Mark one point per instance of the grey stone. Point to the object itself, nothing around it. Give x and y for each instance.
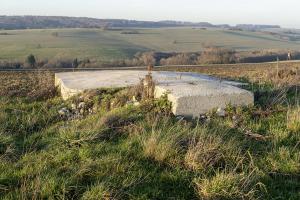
(81, 105)
(136, 103)
(64, 112)
(81, 111)
(73, 106)
(221, 112)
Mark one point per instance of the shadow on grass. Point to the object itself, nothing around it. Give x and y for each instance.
(281, 186)
(286, 96)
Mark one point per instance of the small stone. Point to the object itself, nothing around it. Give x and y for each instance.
(203, 116)
(136, 103)
(129, 103)
(95, 109)
(81, 111)
(221, 112)
(180, 117)
(64, 112)
(81, 105)
(208, 119)
(81, 98)
(73, 106)
(134, 99)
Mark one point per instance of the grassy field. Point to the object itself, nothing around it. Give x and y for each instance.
(122, 151)
(107, 45)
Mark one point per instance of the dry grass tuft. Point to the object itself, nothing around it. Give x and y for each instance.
(204, 153)
(210, 152)
(293, 119)
(163, 141)
(227, 186)
(159, 148)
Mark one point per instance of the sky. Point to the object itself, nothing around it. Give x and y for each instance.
(278, 12)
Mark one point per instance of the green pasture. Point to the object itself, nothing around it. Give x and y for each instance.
(111, 44)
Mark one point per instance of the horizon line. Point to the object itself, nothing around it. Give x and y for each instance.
(162, 20)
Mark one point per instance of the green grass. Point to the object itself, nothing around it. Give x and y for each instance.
(141, 152)
(107, 45)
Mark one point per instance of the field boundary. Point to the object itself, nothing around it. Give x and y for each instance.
(141, 67)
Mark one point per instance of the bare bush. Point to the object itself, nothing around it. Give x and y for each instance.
(10, 64)
(215, 55)
(180, 59)
(148, 59)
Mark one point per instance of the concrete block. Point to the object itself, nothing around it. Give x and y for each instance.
(191, 94)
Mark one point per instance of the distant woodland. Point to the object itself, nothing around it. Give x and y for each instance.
(41, 22)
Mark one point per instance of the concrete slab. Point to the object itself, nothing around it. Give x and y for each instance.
(191, 94)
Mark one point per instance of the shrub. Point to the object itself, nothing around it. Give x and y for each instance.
(31, 60)
(10, 64)
(180, 59)
(215, 55)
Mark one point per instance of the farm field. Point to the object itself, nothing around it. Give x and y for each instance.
(120, 151)
(111, 44)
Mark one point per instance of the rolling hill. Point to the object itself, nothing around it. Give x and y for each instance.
(113, 43)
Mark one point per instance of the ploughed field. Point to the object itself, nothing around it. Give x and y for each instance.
(101, 146)
(124, 43)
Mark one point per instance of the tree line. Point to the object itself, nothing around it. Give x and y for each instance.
(210, 55)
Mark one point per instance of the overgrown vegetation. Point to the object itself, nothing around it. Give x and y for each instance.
(35, 86)
(123, 151)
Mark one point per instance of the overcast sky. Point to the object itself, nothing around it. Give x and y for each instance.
(282, 12)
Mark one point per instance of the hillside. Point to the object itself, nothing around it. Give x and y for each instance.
(114, 44)
(42, 22)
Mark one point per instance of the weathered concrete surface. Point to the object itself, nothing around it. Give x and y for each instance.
(191, 94)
